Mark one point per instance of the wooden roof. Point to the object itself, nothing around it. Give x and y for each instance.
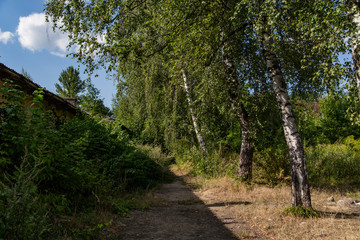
(29, 87)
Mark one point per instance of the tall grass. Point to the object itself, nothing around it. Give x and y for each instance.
(328, 164)
(217, 162)
(271, 166)
(333, 165)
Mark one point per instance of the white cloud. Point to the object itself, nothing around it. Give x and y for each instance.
(59, 54)
(35, 34)
(5, 36)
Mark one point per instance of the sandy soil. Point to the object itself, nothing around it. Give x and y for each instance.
(181, 214)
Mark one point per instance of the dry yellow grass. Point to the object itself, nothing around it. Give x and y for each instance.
(262, 207)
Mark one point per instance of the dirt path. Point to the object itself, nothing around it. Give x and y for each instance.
(183, 215)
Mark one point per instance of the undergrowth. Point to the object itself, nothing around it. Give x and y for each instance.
(329, 165)
(52, 170)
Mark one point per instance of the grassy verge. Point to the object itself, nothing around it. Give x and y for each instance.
(264, 210)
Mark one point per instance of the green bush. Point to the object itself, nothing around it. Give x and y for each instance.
(77, 162)
(12, 123)
(272, 165)
(22, 214)
(216, 163)
(333, 164)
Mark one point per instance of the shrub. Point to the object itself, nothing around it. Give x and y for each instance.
(12, 121)
(22, 214)
(333, 164)
(64, 167)
(272, 165)
(216, 163)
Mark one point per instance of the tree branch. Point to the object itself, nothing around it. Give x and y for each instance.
(242, 27)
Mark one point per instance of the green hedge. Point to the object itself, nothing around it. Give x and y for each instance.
(50, 168)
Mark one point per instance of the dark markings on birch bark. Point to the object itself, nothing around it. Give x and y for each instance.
(247, 147)
(300, 189)
(192, 113)
(356, 47)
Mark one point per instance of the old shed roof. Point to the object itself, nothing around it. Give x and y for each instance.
(29, 87)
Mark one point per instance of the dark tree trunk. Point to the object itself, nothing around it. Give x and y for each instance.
(193, 116)
(247, 147)
(300, 189)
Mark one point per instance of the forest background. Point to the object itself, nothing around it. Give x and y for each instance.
(257, 90)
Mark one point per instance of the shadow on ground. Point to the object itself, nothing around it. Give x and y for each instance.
(343, 215)
(181, 216)
(224, 204)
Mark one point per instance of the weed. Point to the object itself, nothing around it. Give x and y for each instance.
(298, 211)
(355, 195)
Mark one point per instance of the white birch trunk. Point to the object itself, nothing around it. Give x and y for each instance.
(300, 189)
(356, 48)
(193, 117)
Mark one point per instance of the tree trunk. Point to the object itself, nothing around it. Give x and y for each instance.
(193, 117)
(356, 48)
(247, 147)
(300, 189)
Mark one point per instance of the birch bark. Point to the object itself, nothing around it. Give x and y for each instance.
(356, 47)
(193, 116)
(247, 147)
(300, 189)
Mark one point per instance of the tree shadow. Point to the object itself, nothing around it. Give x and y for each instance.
(224, 204)
(342, 189)
(183, 216)
(339, 215)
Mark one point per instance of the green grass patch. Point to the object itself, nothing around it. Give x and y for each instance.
(298, 211)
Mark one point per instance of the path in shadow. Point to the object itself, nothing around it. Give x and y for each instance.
(181, 216)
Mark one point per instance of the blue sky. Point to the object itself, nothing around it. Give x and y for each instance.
(26, 41)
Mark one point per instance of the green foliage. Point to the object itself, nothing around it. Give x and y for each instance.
(325, 120)
(12, 120)
(297, 211)
(92, 103)
(62, 167)
(233, 138)
(158, 39)
(334, 164)
(122, 206)
(70, 83)
(334, 122)
(354, 195)
(272, 165)
(71, 86)
(22, 213)
(353, 143)
(308, 116)
(216, 163)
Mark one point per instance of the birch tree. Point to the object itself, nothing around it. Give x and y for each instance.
(269, 17)
(295, 39)
(354, 12)
(247, 147)
(192, 113)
